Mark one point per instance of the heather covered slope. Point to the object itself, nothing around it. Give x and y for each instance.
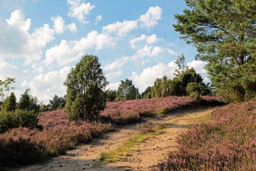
(228, 143)
(24, 146)
(124, 148)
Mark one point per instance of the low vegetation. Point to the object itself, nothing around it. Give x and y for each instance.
(226, 143)
(130, 111)
(55, 134)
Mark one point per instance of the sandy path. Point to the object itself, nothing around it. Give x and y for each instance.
(148, 153)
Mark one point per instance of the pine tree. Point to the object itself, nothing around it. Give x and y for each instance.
(24, 101)
(85, 84)
(127, 90)
(224, 33)
(9, 103)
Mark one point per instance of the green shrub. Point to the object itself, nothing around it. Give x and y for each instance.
(9, 104)
(21, 151)
(14, 119)
(195, 95)
(195, 90)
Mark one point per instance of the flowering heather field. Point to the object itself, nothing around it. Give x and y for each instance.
(56, 134)
(228, 143)
(129, 111)
(24, 146)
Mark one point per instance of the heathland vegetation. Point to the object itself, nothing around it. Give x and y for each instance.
(224, 34)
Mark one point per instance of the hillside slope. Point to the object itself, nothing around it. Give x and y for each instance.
(143, 157)
(228, 143)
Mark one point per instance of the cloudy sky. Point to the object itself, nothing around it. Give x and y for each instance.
(40, 40)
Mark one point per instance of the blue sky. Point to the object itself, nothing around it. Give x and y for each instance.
(40, 40)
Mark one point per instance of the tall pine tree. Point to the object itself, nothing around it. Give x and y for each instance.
(224, 33)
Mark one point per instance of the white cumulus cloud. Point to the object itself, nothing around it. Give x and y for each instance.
(117, 64)
(147, 51)
(150, 74)
(44, 88)
(98, 18)
(114, 74)
(113, 86)
(151, 17)
(148, 39)
(59, 25)
(121, 28)
(79, 10)
(69, 51)
(17, 20)
(10, 70)
(171, 52)
(17, 42)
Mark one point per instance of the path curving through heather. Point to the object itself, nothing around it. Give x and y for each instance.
(147, 154)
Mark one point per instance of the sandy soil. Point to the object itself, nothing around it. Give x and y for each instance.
(147, 154)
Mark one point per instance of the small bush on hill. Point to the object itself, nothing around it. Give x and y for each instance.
(18, 148)
(9, 104)
(14, 119)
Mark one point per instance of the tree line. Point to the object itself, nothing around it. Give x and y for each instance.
(185, 83)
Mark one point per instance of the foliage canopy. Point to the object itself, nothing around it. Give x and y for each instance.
(185, 82)
(5, 87)
(224, 33)
(57, 102)
(85, 84)
(127, 90)
(9, 104)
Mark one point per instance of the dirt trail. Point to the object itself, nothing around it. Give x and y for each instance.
(148, 153)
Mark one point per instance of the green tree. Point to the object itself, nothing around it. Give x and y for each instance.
(57, 102)
(224, 33)
(127, 90)
(188, 76)
(178, 86)
(195, 90)
(164, 87)
(5, 87)
(28, 102)
(85, 84)
(147, 93)
(138, 96)
(156, 88)
(24, 101)
(182, 67)
(9, 104)
(110, 95)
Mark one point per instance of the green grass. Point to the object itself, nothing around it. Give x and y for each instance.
(127, 148)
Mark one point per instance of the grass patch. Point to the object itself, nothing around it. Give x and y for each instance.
(193, 119)
(205, 117)
(128, 147)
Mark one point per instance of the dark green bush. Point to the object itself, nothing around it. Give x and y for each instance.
(19, 151)
(14, 119)
(195, 90)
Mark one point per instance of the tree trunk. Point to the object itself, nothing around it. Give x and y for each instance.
(241, 60)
